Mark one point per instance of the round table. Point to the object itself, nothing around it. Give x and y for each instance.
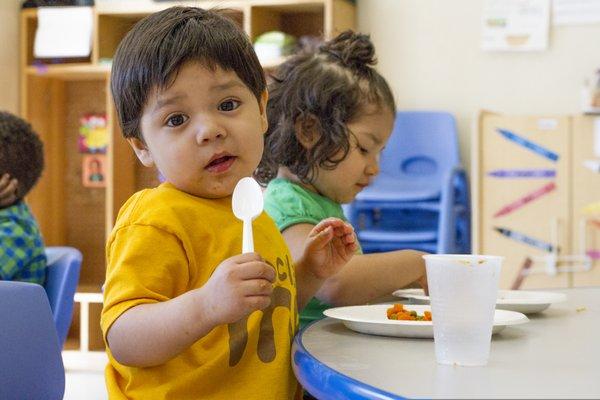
(555, 355)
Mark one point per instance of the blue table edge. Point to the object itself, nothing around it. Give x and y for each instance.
(324, 382)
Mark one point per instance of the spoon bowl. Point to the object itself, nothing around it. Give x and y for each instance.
(247, 204)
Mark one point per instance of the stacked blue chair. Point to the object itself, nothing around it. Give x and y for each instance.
(64, 265)
(420, 198)
(30, 361)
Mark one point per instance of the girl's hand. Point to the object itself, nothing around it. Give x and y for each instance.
(8, 190)
(422, 281)
(329, 246)
(240, 285)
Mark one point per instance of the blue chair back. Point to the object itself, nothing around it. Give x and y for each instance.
(421, 151)
(420, 198)
(64, 264)
(31, 366)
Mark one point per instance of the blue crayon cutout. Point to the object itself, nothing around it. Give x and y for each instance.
(522, 173)
(529, 145)
(519, 237)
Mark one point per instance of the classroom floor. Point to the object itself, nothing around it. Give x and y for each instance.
(84, 375)
(87, 385)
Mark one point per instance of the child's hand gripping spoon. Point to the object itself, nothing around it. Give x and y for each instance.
(247, 204)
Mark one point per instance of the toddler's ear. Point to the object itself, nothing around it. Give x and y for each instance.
(141, 151)
(308, 130)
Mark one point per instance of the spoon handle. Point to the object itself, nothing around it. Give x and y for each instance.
(247, 239)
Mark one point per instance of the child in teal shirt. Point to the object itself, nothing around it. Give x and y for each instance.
(22, 256)
(330, 115)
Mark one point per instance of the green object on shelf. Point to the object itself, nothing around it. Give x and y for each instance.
(278, 38)
(274, 44)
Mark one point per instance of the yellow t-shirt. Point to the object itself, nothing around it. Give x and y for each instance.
(167, 242)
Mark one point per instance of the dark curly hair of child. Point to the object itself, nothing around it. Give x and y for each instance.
(21, 152)
(331, 85)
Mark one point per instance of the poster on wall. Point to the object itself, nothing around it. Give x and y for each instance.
(575, 12)
(93, 133)
(515, 25)
(94, 170)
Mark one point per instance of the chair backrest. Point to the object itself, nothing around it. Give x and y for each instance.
(423, 147)
(30, 360)
(64, 264)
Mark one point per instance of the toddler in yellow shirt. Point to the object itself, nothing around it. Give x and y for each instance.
(186, 316)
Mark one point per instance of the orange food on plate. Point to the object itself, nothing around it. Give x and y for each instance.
(398, 312)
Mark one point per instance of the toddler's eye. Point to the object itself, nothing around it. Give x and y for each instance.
(229, 105)
(176, 120)
(363, 150)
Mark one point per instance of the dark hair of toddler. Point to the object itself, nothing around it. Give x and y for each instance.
(153, 51)
(21, 152)
(331, 86)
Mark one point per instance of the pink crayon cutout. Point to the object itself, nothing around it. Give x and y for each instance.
(594, 254)
(515, 205)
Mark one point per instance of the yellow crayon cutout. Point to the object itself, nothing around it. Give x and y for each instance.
(593, 208)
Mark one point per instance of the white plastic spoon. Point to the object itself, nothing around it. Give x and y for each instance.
(247, 204)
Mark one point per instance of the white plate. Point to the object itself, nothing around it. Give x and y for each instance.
(372, 319)
(527, 302)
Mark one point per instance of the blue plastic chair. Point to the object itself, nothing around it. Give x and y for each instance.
(31, 366)
(420, 198)
(64, 265)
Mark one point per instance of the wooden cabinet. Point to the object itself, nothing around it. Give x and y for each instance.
(55, 96)
(529, 189)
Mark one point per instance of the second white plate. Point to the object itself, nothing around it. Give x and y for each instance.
(372, 319)
(526, 302)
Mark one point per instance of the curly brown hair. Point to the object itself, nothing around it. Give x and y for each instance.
(332, 84)
(21, 152)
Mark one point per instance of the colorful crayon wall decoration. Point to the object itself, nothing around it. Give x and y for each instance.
(515, 205)
(522, 173)
(528, 144)
(528, 240)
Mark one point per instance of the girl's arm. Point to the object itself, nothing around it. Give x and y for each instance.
(366, 277)
(307, 285)
(326, 248)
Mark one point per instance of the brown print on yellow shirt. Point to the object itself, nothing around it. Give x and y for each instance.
(238, 331)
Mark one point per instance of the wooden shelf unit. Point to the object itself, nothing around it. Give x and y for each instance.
(54, 95)
(70, 72)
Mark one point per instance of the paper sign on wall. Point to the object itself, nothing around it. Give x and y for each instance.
(575, 12)
(515, 25)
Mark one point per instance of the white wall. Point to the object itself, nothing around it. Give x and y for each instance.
(429, 51)
(9, 55)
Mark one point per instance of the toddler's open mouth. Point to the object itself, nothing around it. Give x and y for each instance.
(220, 164)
